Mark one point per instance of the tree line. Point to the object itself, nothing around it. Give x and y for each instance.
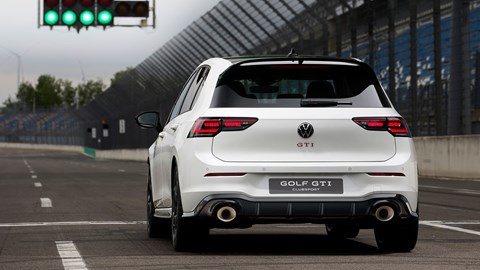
(49, 92)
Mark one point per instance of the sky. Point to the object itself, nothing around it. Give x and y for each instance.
(91, 54)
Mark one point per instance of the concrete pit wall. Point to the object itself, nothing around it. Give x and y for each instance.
(449, 156)
(122, 154)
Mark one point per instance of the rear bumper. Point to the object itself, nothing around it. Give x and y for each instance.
(358, 184)
(254, 211)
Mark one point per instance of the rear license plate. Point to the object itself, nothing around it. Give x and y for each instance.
(305, 186)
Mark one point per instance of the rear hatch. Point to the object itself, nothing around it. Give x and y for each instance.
(304, 110)
(277, 136)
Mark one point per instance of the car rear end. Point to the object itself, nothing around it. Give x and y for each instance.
(300, 140)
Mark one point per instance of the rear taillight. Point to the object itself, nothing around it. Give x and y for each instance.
(209, 127)
(206, 128)
(395, 125)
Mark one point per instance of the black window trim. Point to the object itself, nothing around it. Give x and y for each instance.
(200, 87)
(195, 86)
(184, 88)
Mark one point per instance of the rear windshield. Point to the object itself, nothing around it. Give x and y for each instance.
(294, 85)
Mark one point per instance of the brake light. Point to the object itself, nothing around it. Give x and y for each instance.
(397, 126)
(210, 127)
(205, 128)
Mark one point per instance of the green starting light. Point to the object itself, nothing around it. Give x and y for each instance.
(69, 17)
(87, 17)
(51, 17)
(105, 17)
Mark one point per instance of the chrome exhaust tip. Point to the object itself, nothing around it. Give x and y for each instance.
(226, 214)
(384, 213)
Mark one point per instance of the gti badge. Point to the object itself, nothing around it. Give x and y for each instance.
(305, 130)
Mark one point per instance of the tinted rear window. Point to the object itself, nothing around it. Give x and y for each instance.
(287, 85)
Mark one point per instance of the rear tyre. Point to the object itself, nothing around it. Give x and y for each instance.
(186, 233)
(156, 227)
(337, 230)
(397, 237)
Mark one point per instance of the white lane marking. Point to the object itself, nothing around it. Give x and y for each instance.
(37, 184)
(46, 202)
(441, 224)
(438, 224)
(467, 222)
(453, 190)
(28, 166)
(34, 177)
(70, 223)
(70, 256)
(120, 170)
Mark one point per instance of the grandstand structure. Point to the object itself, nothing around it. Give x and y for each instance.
(59, 127)
(425, 52)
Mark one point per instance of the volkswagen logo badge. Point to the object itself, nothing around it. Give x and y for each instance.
(305, 130)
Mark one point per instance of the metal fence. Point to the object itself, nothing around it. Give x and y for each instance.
(425, 52)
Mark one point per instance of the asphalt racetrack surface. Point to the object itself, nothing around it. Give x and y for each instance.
(67, 211)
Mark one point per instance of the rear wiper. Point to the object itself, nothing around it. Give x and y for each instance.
(321, 103)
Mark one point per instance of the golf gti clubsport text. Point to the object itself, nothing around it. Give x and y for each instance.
(282, 140)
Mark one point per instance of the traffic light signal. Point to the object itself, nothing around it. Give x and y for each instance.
(105, 12)
(51, 12)
(69, 16)
(132, 8)
(78, 13)
(85, 13)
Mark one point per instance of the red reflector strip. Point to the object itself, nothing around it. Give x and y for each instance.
(387, 174)
(224, 174)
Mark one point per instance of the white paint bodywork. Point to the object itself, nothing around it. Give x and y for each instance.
(266, 150)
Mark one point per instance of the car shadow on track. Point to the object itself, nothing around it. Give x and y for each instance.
(281, 244)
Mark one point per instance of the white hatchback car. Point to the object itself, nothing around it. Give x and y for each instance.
(282, 140)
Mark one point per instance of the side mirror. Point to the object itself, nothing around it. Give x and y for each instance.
(149, 120)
